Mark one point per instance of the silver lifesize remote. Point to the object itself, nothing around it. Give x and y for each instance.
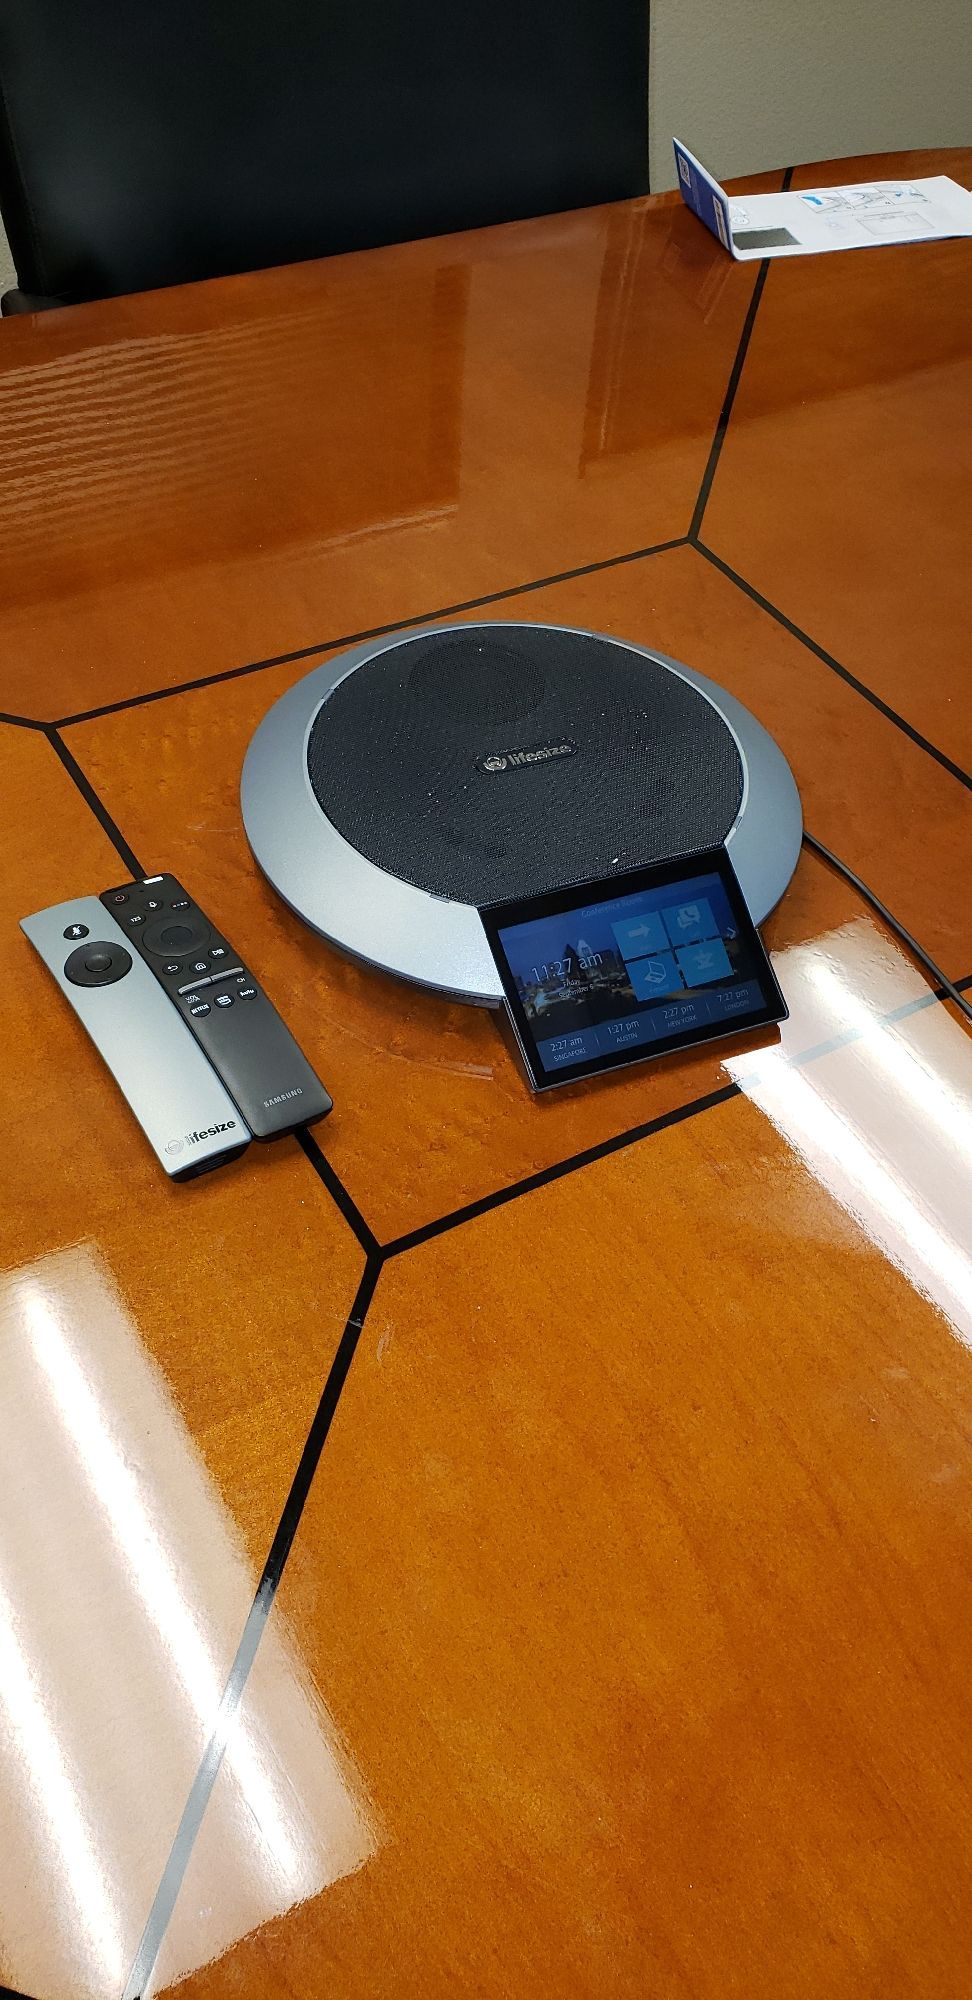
(179, 1101)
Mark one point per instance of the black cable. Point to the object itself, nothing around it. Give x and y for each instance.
(911, 944)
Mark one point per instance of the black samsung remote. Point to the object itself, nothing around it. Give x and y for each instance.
(248, 1045)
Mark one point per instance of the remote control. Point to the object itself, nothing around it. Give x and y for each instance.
(183, 1109)
(238, 1029)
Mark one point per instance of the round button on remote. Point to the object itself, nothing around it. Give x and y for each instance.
(224, 999)
(75, 931)
(97, 964)
(176, 939)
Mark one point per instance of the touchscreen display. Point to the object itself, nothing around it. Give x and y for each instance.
(612, 972)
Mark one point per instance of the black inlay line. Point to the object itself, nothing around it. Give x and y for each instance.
(90, 796)
(860, 687)
(735, 377)
(178, 1860)
(205, 1779)
(339, 1193)
(725, 413)
(18, 722)
(559, 1169)
(939, 979)
(372, 632)
(962, 984)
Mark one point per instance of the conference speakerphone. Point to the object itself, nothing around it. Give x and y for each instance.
(402, 787)
(612, 972)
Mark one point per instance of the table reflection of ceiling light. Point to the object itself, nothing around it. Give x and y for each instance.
(931, 1093)
(166, 1595)
(869, 1189)
(123, 1593)
(57, 1808)
(885, 1128)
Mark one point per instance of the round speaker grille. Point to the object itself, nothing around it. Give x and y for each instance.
(483, 768)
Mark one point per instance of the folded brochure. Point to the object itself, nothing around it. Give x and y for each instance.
(831, 218)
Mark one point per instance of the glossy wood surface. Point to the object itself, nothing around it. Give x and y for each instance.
(573, 1496)
(828, 480)
(649, 1634)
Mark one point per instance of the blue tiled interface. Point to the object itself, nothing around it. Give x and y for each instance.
(631, 972)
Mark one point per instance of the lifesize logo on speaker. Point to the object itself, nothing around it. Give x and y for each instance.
(513, 760)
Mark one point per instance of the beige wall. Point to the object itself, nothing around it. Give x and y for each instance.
(7, 273)
(750, 84)
(763, 83)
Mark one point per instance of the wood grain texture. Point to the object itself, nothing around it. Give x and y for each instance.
(651, 1634)
(162, 1351)
(236, 469)
(623, 1648)
(455, 1121)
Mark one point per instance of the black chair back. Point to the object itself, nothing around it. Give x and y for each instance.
(145, 142)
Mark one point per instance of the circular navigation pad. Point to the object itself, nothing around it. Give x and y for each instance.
(97, 964)
(175, 938)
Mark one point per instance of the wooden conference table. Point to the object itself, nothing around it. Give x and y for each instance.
(595, 1474)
